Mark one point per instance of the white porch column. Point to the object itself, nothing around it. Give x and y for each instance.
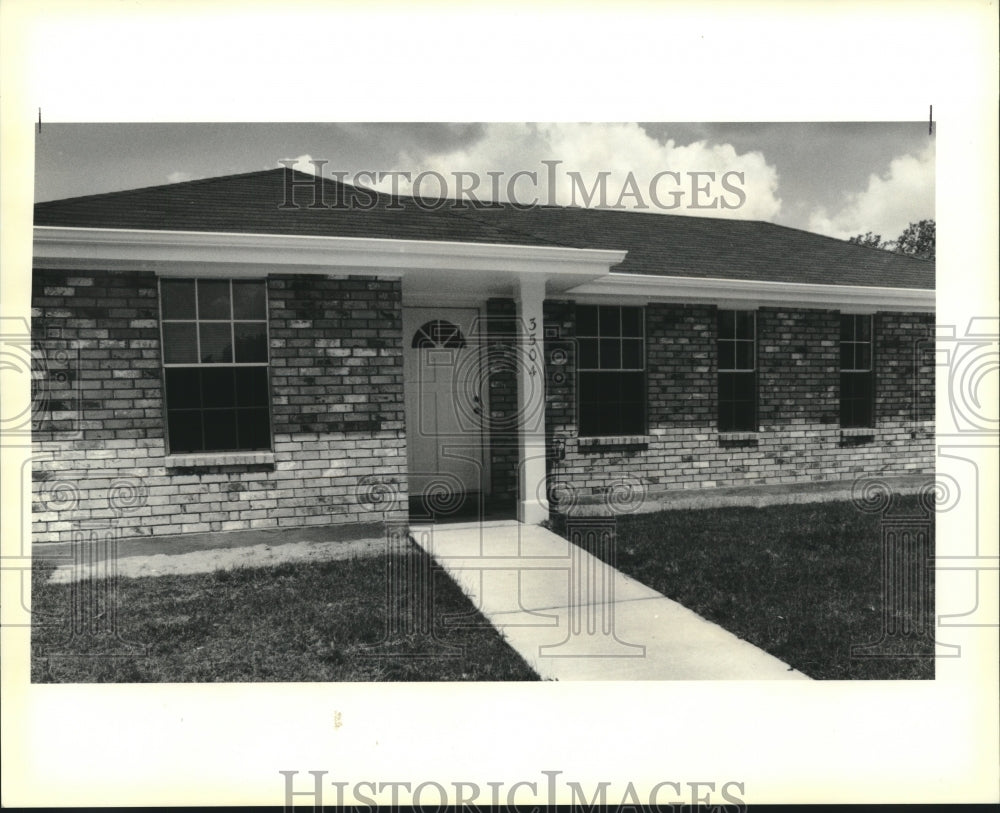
(532, 506)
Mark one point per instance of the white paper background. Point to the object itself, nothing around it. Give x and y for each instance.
(224, 744)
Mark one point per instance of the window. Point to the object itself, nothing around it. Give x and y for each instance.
(611, 370)
(857, 390)
(439, 333)
(214, 335)
(737, 346)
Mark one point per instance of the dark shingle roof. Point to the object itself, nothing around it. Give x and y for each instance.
(657, 244)
(251, 202)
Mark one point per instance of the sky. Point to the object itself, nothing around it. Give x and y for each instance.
(838, 179)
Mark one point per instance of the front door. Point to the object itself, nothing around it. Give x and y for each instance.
(444, 404)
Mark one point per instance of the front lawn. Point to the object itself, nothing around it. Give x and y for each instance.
(802, 582)
(315, 621)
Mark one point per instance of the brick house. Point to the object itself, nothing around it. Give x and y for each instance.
(272, 349)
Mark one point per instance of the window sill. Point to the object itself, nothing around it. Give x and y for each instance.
(730, 436)
(189, 461)
(858, 432)
(615, 441)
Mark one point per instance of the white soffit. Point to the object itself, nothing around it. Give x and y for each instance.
(748, 293)
(427, 265)
(175, 252)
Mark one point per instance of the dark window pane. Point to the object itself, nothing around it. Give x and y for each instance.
(744, 356)
(846, 328)
(744, 417)
(612, 403)
(183, 388)
(737, 402)
(846, 413)
(220, 429)
(184, 429)
(632, 353)
(588, 353)
(847, 356)
(632, 387)
(727, 387)
(254, 432)
(863, 328)
(213, 299)
(249, 300)
(862, 356)
(251, 341)
(847, 386)
(251, 386)
(856, 400)
(177, 298)
(610, 320)
(595, 420)
(726, 411)
(216, 408)
(589, 418)
(216, 342)
(744, 387)
(633, 418)
(218, 387)
(590, 387)
(610, 354)
(179, 343)
(865, 388)
(586, 320)
(854, 386)
(863, 415)
(744, 325)
(632, 322)
(727, 325)
(727, 355)
(607, 417)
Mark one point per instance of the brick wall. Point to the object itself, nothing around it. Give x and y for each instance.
(501, 338)
(798, 384)
(99, 458)
(904, 367)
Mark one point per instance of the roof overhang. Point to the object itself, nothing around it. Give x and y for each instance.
(752, 293)
(438, 268)
(422, 264)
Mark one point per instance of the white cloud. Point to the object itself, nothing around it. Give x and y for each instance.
(899, 196)
(624, 155)
(180, 176)
(304, 163)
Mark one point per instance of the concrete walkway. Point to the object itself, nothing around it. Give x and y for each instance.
(571, 617)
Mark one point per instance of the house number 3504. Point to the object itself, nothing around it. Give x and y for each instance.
(532, 345)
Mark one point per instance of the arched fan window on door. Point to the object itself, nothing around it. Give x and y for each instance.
(439, 333)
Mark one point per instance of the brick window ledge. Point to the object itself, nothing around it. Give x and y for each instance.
(615, 441)
(857, 432)
(188, 461)
(737, 436)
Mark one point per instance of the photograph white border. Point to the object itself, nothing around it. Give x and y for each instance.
(829, 742)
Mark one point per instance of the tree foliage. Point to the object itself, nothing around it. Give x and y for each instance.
(917, 240)
(868, 239)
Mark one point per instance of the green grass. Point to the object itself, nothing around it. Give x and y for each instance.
(802, 582)
(317, 621)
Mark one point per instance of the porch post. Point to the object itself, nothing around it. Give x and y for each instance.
(532, 505)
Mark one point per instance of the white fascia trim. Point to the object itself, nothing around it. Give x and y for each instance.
(748, 293)
(74, 248)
